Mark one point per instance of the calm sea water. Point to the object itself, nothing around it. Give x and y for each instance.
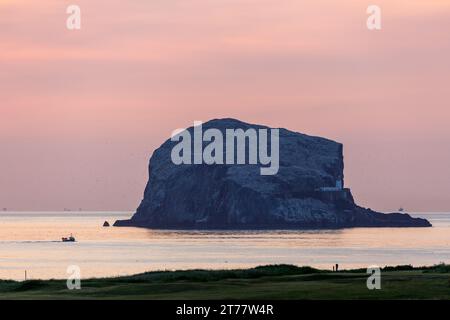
(31, 241)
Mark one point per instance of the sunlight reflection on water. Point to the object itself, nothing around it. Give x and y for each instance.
(31, 241)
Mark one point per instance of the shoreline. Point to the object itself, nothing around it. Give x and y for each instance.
(263, 282)
(355, 269)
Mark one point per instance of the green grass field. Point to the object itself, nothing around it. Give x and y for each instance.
(267, 282)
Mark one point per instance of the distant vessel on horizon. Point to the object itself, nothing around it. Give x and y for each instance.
(401, 209)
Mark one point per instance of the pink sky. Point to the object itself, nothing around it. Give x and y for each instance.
(82, 111)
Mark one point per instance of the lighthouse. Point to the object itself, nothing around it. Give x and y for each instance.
(339, 184)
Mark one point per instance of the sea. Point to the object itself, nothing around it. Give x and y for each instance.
(31, 246)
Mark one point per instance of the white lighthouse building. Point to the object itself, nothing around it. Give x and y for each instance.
(338, 186)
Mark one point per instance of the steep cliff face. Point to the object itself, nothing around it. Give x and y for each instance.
(302, 194)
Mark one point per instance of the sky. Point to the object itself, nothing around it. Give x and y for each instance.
(81, 111)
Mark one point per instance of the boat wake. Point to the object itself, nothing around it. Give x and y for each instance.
(31, 241)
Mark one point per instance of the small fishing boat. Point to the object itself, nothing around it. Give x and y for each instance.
(68, 239)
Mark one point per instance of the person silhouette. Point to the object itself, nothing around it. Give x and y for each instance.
(337, 267)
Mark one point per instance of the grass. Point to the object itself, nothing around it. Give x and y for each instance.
(265, 282)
